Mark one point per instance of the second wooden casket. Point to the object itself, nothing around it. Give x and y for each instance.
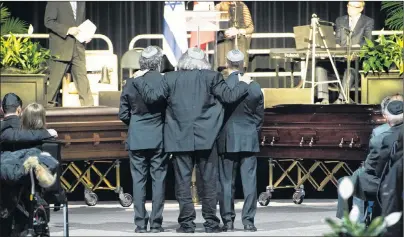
(321, 132)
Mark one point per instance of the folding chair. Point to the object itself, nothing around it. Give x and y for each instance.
(130, 60)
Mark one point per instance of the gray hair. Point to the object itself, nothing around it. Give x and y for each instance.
(387, 100)
(186, 62)
(384, 103)
(152, 63)
(238, 65)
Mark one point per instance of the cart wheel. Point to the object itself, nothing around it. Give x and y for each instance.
(264, 199)
(298, 197)
(91, 199)
(126, 200)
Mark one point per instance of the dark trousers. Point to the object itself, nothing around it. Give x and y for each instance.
(79, 73)
(143, 161)
(207, 161)
(228, 165)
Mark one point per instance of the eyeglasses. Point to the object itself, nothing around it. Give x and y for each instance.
(356, 7)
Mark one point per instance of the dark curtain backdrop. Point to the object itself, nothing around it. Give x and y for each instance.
(121, 21)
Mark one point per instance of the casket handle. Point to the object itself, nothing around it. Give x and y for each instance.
(301, 141)
(341, 143)
(352, 142)
(273, 141)
(311, 142)
(263, 141)
(67, 140)
(96, 138)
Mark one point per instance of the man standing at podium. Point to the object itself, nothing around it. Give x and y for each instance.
(63, 19)
(361, 27)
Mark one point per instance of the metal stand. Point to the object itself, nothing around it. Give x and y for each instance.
(348, 74)
(312, 43)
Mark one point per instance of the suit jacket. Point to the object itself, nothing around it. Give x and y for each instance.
(363, 29)
(242, 121)
(11, 133)
(378, 156)
(194, 115)
(145, 121)
(58, 19)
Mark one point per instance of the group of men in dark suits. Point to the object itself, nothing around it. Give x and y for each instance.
(189, 113)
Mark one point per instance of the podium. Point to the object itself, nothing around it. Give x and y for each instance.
(206, 21)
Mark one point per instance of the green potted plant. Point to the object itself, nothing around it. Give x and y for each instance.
(382, 59)
(349, 225)
(23, 63)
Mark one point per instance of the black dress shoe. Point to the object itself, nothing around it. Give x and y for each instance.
(141, 229)
(250, 228)
(228, 227)
(184, 230)
(156, 229)
(215, 229)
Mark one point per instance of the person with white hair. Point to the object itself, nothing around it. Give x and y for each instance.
(367, 178)
(193, 118)
(145, 143)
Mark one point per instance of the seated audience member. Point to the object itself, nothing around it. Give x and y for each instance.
(367, 175)
(15, 165)
(390, 193)
(11, 127)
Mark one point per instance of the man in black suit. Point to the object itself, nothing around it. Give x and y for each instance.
(63, 19)
(237, 144)
(361, 27)
(145, 142)
(193, 119)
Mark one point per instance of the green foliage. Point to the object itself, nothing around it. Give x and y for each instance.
(10, 24)
(21, 55)
(395, 14)
(349, 228)
(382, 54)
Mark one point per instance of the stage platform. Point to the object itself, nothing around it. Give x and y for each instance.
(279, 218)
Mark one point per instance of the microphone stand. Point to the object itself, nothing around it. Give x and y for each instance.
(348, 79)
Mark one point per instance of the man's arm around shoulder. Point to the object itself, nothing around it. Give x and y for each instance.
(124, 106)
(224, 93)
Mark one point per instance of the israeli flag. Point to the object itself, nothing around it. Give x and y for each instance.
(175, 33)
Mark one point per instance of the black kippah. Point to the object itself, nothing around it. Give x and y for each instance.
(395, 107)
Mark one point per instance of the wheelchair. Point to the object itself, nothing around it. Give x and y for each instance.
(32, 203)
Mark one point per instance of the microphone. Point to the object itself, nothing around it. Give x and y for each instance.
(327, 22)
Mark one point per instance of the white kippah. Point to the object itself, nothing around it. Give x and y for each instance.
(149, 52)
(235, 55)
(196, 53)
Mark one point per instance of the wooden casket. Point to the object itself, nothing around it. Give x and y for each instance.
(318, 141)
(329, 132)
(89, 133)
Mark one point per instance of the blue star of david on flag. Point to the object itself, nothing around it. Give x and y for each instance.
(173, 4)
